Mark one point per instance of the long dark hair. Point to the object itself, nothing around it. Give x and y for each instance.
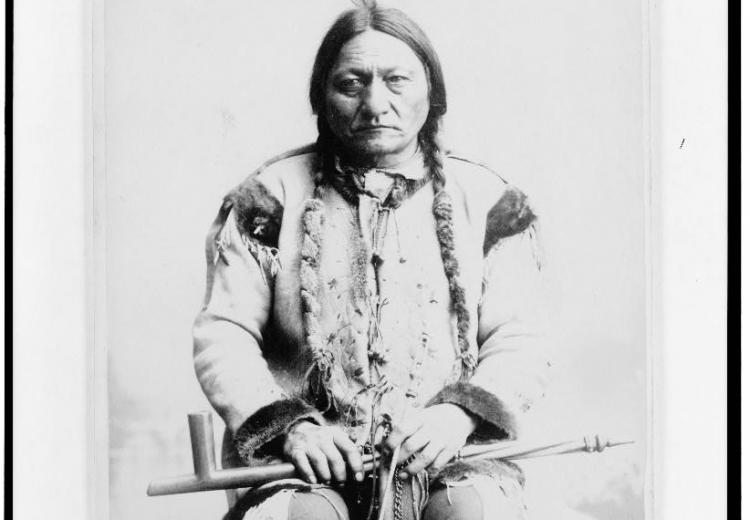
(394, 23)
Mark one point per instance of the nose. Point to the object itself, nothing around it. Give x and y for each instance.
(375, 101)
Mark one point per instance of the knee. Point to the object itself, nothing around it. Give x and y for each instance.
(477, 499)
(454, 503)
(321, 504)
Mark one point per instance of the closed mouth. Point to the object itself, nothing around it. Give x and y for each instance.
(373, 128)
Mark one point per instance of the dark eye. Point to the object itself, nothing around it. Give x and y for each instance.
(349, 85)
(397, 79)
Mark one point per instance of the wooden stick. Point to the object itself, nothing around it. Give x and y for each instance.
(208, 478)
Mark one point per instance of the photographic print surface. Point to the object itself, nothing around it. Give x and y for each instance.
(550, 95)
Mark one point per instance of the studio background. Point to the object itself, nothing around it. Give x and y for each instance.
(550, 94)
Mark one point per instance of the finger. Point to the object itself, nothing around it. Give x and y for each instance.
(423, 459)
(350, 453)
(393, 440)
(443, 458)
(413, 445)
(320, 464)
(401, 432)
(335, 461)
(300, 461)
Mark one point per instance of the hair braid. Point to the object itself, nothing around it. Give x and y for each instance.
(313, 220)
(442, 209)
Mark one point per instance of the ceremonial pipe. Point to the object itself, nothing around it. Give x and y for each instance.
(207, 478)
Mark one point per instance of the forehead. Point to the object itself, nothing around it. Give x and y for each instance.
(376, 49)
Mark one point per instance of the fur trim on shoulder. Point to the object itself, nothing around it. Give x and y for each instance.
(509, 216)
(495, 421)
(258, 212)
(268, 423)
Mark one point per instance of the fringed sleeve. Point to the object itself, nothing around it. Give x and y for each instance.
(228, 339)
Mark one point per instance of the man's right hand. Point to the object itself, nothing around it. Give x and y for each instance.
(322, 453)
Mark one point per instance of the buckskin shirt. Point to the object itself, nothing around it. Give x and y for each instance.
(356, 287)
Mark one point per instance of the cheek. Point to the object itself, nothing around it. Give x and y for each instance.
(341, 107)
(419, 107)
(340, 112)
(417, 102)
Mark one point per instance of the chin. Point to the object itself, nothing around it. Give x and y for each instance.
(376, 147)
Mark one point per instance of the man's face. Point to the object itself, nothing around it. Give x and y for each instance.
(377, 98)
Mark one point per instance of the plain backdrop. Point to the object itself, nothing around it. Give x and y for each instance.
(551, 94)
(57, 470)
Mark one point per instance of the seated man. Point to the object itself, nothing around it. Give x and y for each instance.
(373, 293)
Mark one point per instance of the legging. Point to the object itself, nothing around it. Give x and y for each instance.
(476, 498)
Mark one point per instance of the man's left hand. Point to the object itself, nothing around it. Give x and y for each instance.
(433, 435)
